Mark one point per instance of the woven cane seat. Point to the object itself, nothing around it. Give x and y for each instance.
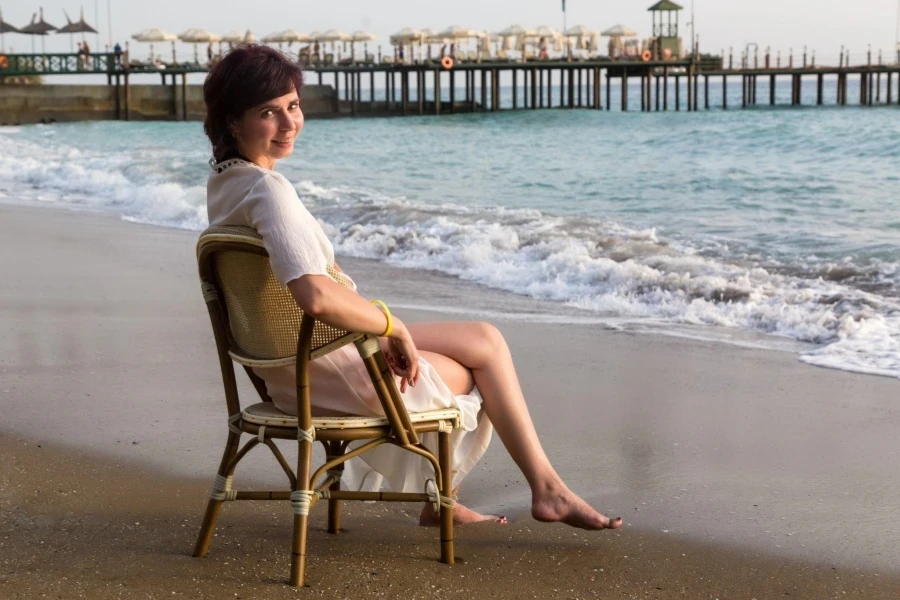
(265, 413)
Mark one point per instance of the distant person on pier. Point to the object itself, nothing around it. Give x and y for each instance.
(87, 55)
(542, 45)
(209, 52)
(117, 50)
(316, 51)
(453, 50)
(400, 51)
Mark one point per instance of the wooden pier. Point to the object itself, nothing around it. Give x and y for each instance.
(433, 88)
(664, 85)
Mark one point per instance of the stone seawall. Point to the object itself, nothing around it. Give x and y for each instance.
(22, 104)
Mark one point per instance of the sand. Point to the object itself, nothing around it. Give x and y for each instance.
(740, 472)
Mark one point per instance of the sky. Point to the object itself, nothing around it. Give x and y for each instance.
(823, 25)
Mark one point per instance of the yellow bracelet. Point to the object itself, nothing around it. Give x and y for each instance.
(387, 313)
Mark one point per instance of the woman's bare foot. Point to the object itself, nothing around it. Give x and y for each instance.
(560, 504)
(461, 516)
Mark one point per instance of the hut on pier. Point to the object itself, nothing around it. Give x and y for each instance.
(666, 42)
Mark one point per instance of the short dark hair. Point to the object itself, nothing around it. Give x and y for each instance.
(248, 75)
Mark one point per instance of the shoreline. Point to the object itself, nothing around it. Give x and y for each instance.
(745, 453)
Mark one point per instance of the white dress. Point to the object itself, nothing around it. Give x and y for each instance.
(243, 193)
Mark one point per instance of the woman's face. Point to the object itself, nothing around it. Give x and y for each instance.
(266, 133)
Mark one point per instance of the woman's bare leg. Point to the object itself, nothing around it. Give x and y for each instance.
(480, 348)
(457, 377)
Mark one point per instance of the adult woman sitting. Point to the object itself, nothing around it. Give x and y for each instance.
(253, 119)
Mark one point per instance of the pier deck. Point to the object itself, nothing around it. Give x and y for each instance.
(384, 89)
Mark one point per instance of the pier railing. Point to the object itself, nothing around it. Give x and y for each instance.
(12, 65)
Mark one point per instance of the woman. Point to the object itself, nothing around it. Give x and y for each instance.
(253, 119)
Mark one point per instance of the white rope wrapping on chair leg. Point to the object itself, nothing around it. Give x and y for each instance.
(301, 501)
(222, 489)
(306, 435)
(233, 421)
(445, 427)
(436, 499)
(262, 434)
(209, 292)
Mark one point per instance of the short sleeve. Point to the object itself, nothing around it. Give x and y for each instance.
(291, 236)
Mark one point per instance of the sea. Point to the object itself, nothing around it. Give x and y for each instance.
(776, 225)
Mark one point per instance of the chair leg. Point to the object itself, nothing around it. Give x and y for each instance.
(214, 506)
(298, 550)
(301, 521)
(334, 450)
(447, 555)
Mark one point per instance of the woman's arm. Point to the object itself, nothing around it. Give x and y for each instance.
(335, 305)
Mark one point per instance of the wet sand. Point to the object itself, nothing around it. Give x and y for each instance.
(740, 472)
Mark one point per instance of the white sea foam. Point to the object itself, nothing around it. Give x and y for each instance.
(601, 266)
(615, 271)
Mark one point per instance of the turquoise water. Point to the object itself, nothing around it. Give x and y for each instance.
(784, 222)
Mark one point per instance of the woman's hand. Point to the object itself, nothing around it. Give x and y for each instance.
(402, 355)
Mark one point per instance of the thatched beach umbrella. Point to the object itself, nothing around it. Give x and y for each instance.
(199, 36)
(154, 36)
(80, 26)
(615, 35)
(37, 27)
(409, 36)
(458, 35)
(5, 28)
(331, 35)
(516, 36)
(582, 35)
(288, 36)
(361, 36)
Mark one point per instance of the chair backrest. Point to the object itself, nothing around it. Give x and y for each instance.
(257, 323)
(262, 318)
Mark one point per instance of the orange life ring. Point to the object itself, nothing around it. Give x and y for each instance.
(4, 62)
(646, 55)
(447, 62)
(667, 54)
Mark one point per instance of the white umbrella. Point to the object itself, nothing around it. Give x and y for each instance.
(407, 35)
(288, 35)
(331, 35)
(618, 31)
(198, 36)
(456, 32)
(154, 35)
(580, 31)
(516, 30)
(361, 36)
(615, 35)
(233, 37)
(249, 38)
(547, 32)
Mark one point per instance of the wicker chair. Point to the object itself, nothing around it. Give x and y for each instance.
(257, 323)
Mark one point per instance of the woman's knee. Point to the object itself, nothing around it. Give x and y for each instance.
(489, 341)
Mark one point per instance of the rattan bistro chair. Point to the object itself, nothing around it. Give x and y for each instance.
(257, 323)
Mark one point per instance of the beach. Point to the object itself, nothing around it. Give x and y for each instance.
(740, 472)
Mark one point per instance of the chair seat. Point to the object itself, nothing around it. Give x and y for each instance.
(265, 413)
